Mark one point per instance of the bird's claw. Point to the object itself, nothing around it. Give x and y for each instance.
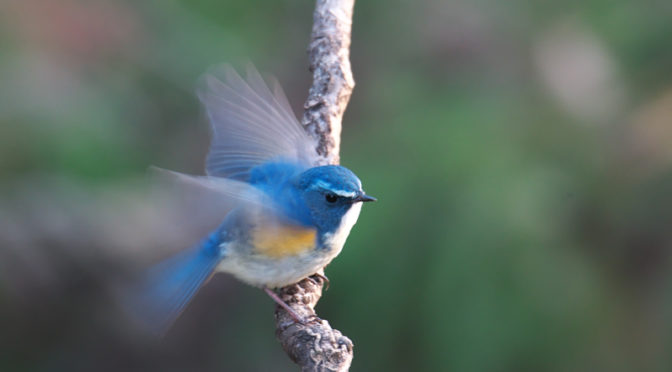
(322, 277)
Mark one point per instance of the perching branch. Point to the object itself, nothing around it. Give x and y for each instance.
(329, 54)
(316, 346)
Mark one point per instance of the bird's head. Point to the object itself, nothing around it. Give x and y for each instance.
(334, 195)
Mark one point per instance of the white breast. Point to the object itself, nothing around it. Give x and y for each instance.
(272, 272)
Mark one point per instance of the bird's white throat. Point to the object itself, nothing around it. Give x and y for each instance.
(338, 237)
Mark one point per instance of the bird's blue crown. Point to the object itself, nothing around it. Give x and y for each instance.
(333, 179)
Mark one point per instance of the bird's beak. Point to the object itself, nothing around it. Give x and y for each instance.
(364, 198)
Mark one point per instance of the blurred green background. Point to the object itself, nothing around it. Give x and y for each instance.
(521, 153)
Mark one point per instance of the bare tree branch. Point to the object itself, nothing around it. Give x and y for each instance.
(329, 53)
(316, 346)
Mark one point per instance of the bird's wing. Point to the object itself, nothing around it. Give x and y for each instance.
(222, 193)
(251, 124)
(197, 206)
(189, 207)
(206, 200)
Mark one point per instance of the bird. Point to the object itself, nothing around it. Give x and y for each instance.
(286, 216)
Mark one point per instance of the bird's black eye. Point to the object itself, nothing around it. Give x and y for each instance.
(331, 198)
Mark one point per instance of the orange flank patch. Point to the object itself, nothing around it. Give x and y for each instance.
(281, 241)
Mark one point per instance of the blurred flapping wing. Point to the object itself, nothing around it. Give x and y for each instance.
(191, 207)
(250, 125)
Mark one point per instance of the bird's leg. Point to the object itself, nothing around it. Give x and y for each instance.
(321, 276)
(297, 318)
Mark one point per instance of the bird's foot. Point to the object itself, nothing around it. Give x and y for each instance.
(324, 278)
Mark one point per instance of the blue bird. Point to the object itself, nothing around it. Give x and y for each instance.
(287, 218)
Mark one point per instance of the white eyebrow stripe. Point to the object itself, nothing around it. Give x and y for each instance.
(345, 194)
(329, 187)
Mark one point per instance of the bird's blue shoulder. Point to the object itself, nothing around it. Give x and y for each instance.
(274, 173)
(278, 180)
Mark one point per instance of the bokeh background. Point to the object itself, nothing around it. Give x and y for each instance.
(521, 152)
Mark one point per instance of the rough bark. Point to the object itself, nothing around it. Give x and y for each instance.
(315, 346)
(329, 53)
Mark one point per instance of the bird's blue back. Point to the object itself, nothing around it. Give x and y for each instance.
(277, 179)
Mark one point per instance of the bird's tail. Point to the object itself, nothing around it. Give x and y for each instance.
(167, 288)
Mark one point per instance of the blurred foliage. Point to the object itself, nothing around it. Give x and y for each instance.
(520, 151)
